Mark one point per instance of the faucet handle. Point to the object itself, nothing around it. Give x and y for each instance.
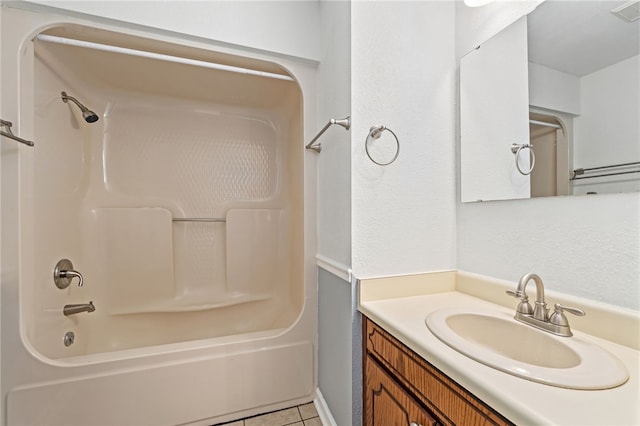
(524, 307)
(558, 317)
(512, 293)
(64, 272)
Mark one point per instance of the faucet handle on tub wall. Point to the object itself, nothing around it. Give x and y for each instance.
(63, 273)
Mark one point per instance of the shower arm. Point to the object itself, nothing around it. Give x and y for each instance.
(66, 98)
(344, 122)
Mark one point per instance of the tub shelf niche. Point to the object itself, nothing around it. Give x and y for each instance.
(143, 268)
(191, 303)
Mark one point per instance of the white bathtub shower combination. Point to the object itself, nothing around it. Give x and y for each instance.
(182, 207)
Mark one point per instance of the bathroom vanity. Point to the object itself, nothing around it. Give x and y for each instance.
(411, 377)
(390, 368)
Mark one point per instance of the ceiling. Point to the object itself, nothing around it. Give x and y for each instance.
(579, 37)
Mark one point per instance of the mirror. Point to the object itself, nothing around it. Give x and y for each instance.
(551, 104)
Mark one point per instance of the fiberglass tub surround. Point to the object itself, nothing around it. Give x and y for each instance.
(181, 206)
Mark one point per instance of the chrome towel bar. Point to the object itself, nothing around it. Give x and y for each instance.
(603, 170)
(344, 122)
(9, 134)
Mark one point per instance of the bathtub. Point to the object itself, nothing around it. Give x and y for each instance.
(185, 210)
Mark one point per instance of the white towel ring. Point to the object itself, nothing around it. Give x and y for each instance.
(374, 133)
(516, 148)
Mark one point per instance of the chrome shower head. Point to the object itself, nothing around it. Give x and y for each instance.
(88, 115)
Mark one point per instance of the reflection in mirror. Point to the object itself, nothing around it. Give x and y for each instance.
(583, 102)
(548, 135)
(493, 116)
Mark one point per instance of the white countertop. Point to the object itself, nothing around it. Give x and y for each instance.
(521, 401)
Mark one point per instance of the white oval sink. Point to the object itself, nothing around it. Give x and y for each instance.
(496, 339)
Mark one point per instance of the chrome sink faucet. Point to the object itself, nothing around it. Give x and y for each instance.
(538, 316)
(540, 312)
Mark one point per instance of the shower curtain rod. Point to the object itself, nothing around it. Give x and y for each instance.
(545, 124)
(158, 56)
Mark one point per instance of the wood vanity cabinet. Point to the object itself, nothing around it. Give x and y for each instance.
(402, 389)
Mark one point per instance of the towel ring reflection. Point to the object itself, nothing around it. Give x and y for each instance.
(516, 148)
(374, 133)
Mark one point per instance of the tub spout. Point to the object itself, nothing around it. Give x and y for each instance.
(76, 309)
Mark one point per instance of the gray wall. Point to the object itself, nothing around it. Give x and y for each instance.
(339, 349)
(336, 342)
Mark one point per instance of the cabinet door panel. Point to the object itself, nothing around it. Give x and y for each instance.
(440, 396)
(388, 404)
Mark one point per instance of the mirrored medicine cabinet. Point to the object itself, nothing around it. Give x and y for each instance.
(551, 105)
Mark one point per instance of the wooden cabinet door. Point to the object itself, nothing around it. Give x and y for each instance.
(388, 404)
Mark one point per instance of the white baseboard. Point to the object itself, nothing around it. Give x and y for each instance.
(323, 410)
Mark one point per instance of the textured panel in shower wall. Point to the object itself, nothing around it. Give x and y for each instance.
(199, 163)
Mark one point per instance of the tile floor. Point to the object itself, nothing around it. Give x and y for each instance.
(301, 415)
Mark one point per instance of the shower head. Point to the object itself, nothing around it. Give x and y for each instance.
(88, 115)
